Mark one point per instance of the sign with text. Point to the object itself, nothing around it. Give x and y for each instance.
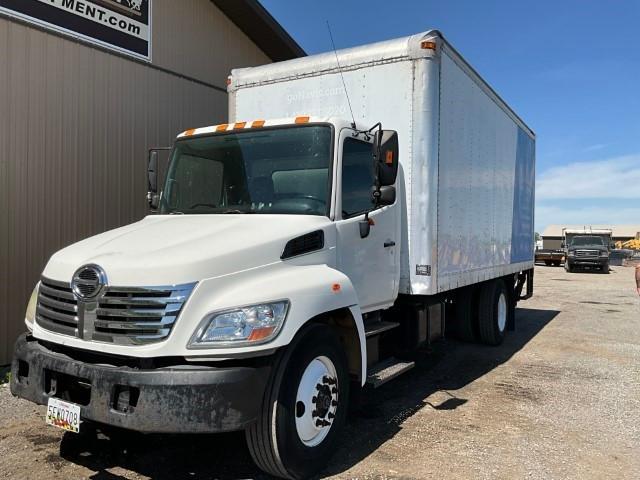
(122, 25)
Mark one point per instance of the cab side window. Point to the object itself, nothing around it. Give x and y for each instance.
(357, 177)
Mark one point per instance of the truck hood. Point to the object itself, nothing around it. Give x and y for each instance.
(177, 249)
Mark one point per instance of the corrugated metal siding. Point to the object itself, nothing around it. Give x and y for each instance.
(75, 126)
(202, 42)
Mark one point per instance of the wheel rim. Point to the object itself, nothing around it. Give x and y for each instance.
(316, 401)
(502, 312)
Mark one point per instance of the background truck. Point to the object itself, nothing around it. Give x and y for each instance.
(586, 249)
(299, 253)
(549, 256)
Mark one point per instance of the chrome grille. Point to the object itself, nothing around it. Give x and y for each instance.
(586, 253)
(138, 315)
(120, 315)
(57, 308)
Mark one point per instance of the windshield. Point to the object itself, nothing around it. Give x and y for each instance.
(283, 170)
(588, 240)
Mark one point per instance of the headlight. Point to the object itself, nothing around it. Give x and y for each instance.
(249, 325)
(572, 254)
(604, 254)
(30, 314)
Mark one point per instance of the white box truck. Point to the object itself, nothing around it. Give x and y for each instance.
(357, 205)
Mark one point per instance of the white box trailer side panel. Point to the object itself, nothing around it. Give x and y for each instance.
(486, 185)
(467, 161)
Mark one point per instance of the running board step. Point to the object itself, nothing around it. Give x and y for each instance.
(376, 328)
(388, 370)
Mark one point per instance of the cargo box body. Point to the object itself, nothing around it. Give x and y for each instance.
(467, 160)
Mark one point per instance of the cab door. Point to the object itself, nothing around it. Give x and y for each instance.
(372, 263)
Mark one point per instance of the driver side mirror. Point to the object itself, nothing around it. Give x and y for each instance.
(153, 173)
(385, 156)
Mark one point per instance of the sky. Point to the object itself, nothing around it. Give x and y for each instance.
(569, 68)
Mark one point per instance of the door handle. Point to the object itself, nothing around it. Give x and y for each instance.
(389, 243)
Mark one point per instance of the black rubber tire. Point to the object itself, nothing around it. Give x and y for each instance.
(547, 263)
(556, 263)
(465, 320)
(567, 267)
(605, 268)
(488, 328)
(273, 440)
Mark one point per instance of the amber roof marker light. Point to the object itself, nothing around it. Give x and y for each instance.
(428, 45)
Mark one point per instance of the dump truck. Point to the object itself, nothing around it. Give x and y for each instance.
(356, 206)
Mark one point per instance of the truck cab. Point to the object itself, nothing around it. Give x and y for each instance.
(266, 234)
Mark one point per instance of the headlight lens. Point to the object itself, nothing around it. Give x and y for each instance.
(249, 325)
(30, 314)
(572, 254)
(604, 254)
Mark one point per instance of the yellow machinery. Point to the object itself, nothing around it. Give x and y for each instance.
(630, 244)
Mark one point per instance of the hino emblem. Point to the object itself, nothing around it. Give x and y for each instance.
(88, 281)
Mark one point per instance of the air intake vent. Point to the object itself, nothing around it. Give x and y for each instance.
(304, 244)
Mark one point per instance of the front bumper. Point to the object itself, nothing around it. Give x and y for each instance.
(176, 399)
(588, 262)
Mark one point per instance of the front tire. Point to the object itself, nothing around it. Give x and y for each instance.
(304, 407)
(493, 312)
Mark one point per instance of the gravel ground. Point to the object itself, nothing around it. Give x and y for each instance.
(560, 399)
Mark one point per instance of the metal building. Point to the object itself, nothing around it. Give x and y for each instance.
(86, 88)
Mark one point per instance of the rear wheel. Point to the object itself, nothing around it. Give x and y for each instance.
(493, 312)
(304, 407)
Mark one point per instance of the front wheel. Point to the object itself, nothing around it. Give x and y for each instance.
(304, 407)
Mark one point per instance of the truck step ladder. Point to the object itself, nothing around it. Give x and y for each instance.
(388, 370)
(375, 328)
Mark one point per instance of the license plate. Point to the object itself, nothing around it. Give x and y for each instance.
(63, 415)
